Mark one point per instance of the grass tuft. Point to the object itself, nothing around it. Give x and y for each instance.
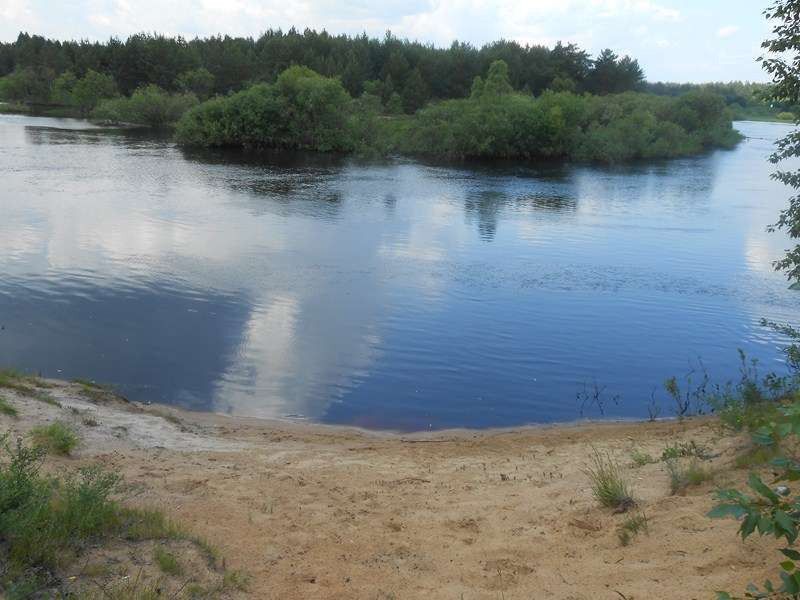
(609, 486)
(167, 561)
(56, 438)
(6, 408)
(682, 477)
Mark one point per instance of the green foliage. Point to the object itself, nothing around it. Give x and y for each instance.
(26, 85)
(149, 106)
(497, 82)
(771, 511)
(612, 75)
(302, 110)
(93, 87)
(43, 521)
(496, 122)
(56, 438)
(399, 65)
(199, 82)
(63, 88)
(609, 486)
(784, 44)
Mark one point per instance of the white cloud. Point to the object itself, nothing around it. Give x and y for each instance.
(727, 31)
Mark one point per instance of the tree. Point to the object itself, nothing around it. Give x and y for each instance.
(63, 87)
(395, 105)
(26, 85)
(497, 82)
(415, 92)
(91, 88)
(199, 82)
(781, 61)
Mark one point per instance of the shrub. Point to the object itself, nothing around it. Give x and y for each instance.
(304, 110)
(56, 438)
(609, 486)
(43, 520)
(641, 458)
(301, 110)
(149, 105)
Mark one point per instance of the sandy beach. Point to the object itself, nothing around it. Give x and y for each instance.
(311, 511)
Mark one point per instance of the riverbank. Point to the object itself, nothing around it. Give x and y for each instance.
(324, 512)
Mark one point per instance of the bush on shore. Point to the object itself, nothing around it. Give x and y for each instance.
(149, 106)
(304, 110)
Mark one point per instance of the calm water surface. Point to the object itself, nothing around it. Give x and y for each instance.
(395, 295)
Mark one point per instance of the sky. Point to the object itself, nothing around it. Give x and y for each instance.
(674, 40)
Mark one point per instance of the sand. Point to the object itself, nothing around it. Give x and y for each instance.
(313, 511)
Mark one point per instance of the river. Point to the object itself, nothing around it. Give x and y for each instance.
(388, 295)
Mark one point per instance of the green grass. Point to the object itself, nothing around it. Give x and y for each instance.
(56, 438)
(149, 524)
(14, 380)
(631, 527)
(127, 590)
(609, 486)
(27, 385)
(6, 408)
(96, 392)
(682, 477)
(46, 522)
(167, 561)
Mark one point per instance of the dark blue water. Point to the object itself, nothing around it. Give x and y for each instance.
(395, 295)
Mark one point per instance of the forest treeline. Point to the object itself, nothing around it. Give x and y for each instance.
(405, 73)
(315, 91)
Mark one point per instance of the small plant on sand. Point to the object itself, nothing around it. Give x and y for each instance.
(631, 527)
(56, 438)
(6, 408)
(641, 458)
(684, 449)
(609, 486)
(235, 580)
(681, 477)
